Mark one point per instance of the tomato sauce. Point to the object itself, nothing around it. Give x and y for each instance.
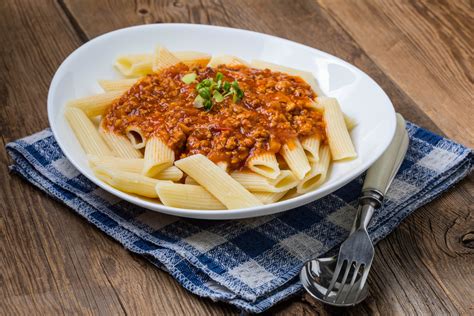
(276, 108)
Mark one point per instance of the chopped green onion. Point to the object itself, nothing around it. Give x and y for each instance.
(217, 90)
(217, 96)
(208, 105)
(226, 87)
(189, 78)
(198, 102)
(238, 93)
(206, 83)
(205, 93)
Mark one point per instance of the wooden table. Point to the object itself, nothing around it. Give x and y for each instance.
(54, 262)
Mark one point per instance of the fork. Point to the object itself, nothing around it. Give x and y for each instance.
(357, 252)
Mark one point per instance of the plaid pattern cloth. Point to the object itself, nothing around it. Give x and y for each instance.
(252, 263)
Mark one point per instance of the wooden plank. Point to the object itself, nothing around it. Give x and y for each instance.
(54, 262)
(262, 16)
(57, 263)
(425, 47)
(308, 24)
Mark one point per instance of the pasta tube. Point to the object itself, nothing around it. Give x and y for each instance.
(193, 59)
(294, 155)
(258, 183)
(134, 165)
(134, 65)
(290, 194)
(265, 164)
(305, 75)
(190, 180)
(269, 197)
(317, 175)
(350, 122)
(158, 156)
(311, 147)
(217, 60)
(136, 137)
(187, 196)
(221, 164)
(215, 180)
(339, 140)
(128, 182)
(96, 104)
(86, 133)
(120, 144)
(163, 58)
(117, 85)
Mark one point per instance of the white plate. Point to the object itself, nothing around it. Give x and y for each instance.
(360, 97)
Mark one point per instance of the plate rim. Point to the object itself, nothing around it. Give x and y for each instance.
(256, 211)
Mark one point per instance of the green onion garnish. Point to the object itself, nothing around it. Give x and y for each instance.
(210, 90)
(189, 78)
(218, 97)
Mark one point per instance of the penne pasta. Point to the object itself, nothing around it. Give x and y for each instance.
(120, 145)
(350, 122)
(311, 147)
(258, 183)
(269, 197)
(134, 65)
(86, 133)
(305, 75)
(215, 180)
(190, 180)
(136, 137)
(317, 175)
(134, 165)
(163, 58)
(140, 162)
(96, 104)
(221, 164)
(117, 85)
(339, 140)
(158, 156)
(141, 64)
(187, 196)
(193, 59)
(217, 60)
(264, 164)
(290, 194)
(128, 182)
(171, 173)
(294, 155)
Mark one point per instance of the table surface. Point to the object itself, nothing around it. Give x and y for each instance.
(53, 261)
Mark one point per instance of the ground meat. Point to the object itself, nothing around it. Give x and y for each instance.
(276, 108)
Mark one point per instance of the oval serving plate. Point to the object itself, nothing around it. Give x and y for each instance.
(360, 97)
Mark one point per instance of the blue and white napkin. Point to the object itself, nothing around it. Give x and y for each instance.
(253, 263)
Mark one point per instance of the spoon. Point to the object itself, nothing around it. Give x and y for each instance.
(316, 276)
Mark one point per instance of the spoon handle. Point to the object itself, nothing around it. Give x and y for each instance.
(380, 175)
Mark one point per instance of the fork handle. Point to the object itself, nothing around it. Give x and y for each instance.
(380, 175)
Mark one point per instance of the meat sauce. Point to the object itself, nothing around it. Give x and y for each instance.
(275, 109)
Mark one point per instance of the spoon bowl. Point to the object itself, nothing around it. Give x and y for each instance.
(316, 277)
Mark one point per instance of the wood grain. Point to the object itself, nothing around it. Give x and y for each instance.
(53, 262)
(423, 46)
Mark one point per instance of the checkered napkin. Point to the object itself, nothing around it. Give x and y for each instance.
(252, 263)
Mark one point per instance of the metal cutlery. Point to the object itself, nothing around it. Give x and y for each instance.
(341, 281)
